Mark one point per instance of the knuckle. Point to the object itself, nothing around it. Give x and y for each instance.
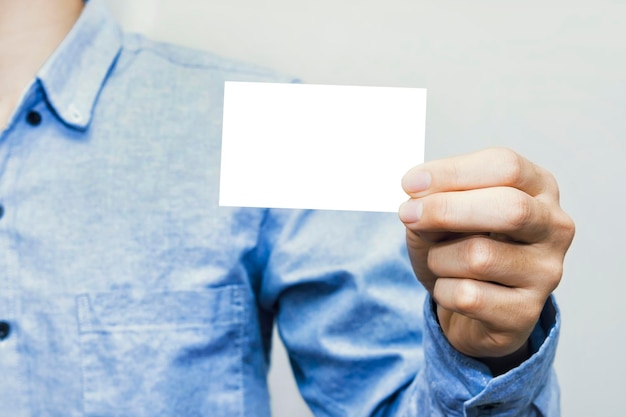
(440, 213)
(554, 274)
(454, 173)
(468, 297)
(562, 229)
(520, 212)
(550, 274)
(513, 166)
(550, 183)
(567, 226)
(480, 256)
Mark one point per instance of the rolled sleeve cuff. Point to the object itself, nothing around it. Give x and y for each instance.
(459, 382)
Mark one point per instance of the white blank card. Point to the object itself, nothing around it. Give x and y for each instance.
(319, 146)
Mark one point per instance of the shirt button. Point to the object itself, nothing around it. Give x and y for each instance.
(75, 114)
(5, 329)
(33, 118)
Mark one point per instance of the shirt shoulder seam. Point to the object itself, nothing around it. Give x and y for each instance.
(193, 58)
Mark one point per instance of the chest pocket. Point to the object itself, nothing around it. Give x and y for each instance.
(162, 354)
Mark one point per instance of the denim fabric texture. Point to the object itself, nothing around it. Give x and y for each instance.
(128, 291)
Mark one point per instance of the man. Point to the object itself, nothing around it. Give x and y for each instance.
(126, 290)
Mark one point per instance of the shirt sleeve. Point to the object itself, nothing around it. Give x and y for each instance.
(453, 384)
(360, 332)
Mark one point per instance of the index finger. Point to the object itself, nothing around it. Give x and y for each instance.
(495, 167)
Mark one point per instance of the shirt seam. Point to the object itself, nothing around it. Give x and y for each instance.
(146, 46)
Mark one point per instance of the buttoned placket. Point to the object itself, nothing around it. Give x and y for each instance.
(23, 127)
(33, 119)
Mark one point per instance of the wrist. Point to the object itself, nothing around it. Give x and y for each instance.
(503, 364)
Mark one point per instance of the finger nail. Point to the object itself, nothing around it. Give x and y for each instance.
(411, 211)
(416, 181)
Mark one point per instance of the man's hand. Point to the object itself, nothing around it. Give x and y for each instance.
(487, 238)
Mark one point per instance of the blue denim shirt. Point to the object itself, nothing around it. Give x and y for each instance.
(127, 291)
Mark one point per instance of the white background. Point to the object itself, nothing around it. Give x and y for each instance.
(545, 78)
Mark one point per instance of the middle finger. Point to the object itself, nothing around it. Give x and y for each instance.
(487, 259)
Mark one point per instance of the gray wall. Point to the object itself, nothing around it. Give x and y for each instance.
(545, 78)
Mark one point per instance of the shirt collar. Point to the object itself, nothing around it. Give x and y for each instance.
(73, 76)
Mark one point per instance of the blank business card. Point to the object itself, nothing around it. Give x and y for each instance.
(321, 147)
